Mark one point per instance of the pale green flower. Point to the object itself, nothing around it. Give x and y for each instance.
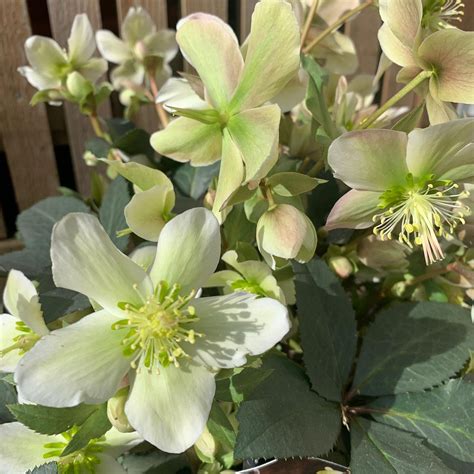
(406, 186)
(236, 125)
(24, 449)
(21, 329)
(448, 54)
(142, 50)
(151, 330)
(50, 65)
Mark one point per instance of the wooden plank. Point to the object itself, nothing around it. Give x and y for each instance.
(62, 15)
(24, 129)
(363, 31)
(246, 10)
(3, 230)
(146, 118)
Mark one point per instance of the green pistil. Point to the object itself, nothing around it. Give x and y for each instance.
(440, 13)
(247, 286)
(23, 342)
(157, 328)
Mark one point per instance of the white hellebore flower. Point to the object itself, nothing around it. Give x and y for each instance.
(20, 329)
(51, 64)
(151, 328)
(23, 449)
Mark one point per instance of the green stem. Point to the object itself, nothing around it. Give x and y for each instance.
(415, 82)
(96, 125)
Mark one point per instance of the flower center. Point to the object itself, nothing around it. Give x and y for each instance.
(157, 328)
(83, 461)
(23, 342)
(248, 287)
(420, 213)
(440, 13)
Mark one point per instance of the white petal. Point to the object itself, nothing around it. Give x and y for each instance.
(170, 409)
(177, 93)
(118, 443)
(236, 325)
(144, 256)
(22, 449)
(112, 48)
(21, 300)
(85, 260)
(45, 55)
(137, 25)
(188, 250)
(93, 69)
(80, 363)
(8, 331)
(81, 42)
(38, 80)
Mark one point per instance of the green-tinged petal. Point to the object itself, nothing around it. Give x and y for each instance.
(81, 44)
(188, 250)
(443, 150)
(170, 409)
(137, 25)
(273, 54)
(369, 159)
(234, 326)
(140, 175)
(8, 332)
(439, 112)
(186, 139)
(117, 442)
(394, 49)
(112, 48)
(93, 69)
(308, 246)
(339, 53)
(162, 44)
(81, 363)
(222, 278)
(211, 46)
(45, 56)
(38, 80)
(22, 301)
(144, 256)
(147, 212)
(330, 11)
(85, 260)
(177, 93)
(403, 17)
(450, 53)
(354, 210)
(108, 465)
(22, 449)
(231, 175)
(128, 74)
(255, 132)
(293, 93)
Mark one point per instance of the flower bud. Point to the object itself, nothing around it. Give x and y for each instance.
(206, 447)
(341, 266)
(116, 411)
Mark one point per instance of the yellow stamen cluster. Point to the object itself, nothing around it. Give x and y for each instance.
(157, 328)
(23, 342)
(423, 214)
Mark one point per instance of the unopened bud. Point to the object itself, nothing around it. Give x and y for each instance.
(116, 411)
(206, 447)
(341, 266)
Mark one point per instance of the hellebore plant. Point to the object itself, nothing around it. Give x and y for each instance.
(151, 329)
(24, 326)
(23, 450)
(445, 58)
(405, 186)
(236, 127)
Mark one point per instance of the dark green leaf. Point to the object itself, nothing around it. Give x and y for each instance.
(50, 468)
(59, 302)
(409, 121)
(240, 385)
(411, 347)
(96, 425)
(220, 427)
(328, 328)
(156, 462)
(380, 449)
(117, 127)
(193, 181)
(444, 416)
(237, 228)
(284, 418)
(98, 147)
(51, 421)
(7, 397)
(135, 142)
(111, 212)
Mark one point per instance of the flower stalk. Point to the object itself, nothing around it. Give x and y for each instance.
(309, 19)
(162, 115)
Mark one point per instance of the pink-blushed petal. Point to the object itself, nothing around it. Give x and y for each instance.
(442, 149)
(188, 250)
(450, 53)
(8, 332)
(81, 363)
(186, 139)
(170, 409)
(212, 48)
(354, 210)
(234, 326)
(330, 10)
(372, 160)
(255, 132)
(86, 260)
(394, 49)
(273, 55)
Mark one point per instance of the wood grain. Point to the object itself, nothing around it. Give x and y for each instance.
(61, 16)
(24, 129)
(3, 230)
(146, 118)
(246, 10)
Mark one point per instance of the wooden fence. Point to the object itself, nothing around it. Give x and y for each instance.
(41, 147)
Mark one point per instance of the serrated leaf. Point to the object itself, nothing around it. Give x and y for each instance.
(284, 418)
(328, 328)
(444, 416)
(377, 448)
(193, 181)
(111, 213)
(50, 468)
(411, 347)
(237, 228)
(96, 425)
(50, 421)
(7, 396)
